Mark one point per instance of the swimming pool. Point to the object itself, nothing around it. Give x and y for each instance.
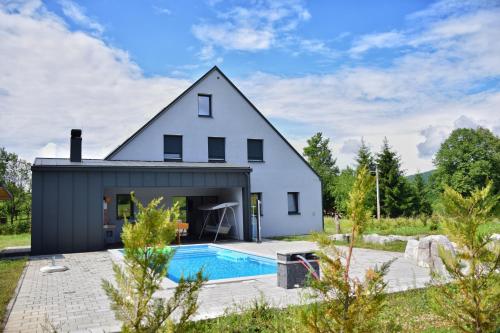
(217, 263)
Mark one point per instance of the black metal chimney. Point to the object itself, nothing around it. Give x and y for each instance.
(76, 146)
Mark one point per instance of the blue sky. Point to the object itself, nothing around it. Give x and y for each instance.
(408, 70)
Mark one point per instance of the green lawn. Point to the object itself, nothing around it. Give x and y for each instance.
(405, 312)
(10, 271)
(15, 240)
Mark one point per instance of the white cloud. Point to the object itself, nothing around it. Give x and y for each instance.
(415, 101)
(77, 14)
(350, 146)
(465, 122)
(251, 28)
(427, 87)
(434, 136)
(378, 40)
(232, 38)
(162, 10)
(54, 79)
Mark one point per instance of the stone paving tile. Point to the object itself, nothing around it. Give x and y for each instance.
(74, 300)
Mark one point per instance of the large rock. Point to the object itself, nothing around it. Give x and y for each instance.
(411, 251)
(378, 239)
(339, 237)
(426, 252)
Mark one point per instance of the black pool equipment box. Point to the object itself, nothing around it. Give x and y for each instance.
(295, 267)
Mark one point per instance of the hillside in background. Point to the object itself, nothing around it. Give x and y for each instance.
(426, 175)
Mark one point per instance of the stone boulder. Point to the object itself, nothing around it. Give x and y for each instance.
(426, 252)
(411, 251)
(379, 239)
(339, 237)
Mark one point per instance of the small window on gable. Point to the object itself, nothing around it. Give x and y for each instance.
(204, 105)
(255, 150)
(172, 148)
(216, 149)
(293, 203)
(124, 206)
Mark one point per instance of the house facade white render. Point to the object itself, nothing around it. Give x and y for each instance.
(235, 119)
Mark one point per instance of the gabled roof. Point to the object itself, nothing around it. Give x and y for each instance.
(165, 109)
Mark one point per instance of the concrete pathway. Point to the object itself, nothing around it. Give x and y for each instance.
(74, 300)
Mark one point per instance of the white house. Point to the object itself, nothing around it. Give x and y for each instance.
(209, 145)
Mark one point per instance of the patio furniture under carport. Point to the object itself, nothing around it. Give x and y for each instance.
(219, 228)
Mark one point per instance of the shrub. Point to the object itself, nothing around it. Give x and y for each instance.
(18, 227)
(145, 266)
(470, 296)
(346, 303)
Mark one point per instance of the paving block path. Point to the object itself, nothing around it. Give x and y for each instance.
(73, 301)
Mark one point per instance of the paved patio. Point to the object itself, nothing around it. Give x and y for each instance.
(74, 300)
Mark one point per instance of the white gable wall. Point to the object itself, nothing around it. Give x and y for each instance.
(233, 118)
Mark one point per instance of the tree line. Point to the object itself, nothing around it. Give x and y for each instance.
(15, 177)
(465, 161)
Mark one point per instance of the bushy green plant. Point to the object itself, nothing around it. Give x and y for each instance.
(470, 298)
(16, 227)
(146, 259)
(346, 303)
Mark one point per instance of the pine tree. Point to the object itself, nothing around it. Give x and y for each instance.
(146, 258)
(419, 199)
(470, 297)
(343, 303)
(321, 160)
(394, 191)
(365, 159)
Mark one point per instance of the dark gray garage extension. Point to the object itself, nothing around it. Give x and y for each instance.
(76, 204)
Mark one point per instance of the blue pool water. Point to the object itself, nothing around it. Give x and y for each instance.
(217, 263)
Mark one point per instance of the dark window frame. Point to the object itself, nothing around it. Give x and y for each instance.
(216, 159)
(259, 197)
(296, 201)
(120, 217)
(248, 150)
(209, 115)
(182, 150)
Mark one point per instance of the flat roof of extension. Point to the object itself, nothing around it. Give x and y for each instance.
(65, 163)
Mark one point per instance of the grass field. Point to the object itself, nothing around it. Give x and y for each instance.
(405, 312)
(10, 270)
(15, 240)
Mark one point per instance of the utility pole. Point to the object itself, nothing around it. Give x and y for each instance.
(378, 193)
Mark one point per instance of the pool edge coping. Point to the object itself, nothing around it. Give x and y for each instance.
(167, 283)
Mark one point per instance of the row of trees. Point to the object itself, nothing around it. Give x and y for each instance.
(466, 160)
(15, 176)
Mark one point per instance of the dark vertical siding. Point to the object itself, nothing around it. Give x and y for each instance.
(95, 239)
(65, 207)
(67, 204)
(80, 211)
(50, 209)
(37, 212)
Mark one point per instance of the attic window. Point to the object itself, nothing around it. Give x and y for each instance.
(204, 105)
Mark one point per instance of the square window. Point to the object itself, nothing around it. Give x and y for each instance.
(204, 105)
(254, 198)
(124, 206)
(255, 150)
(293, 203)
(216, 149)
(172, 148)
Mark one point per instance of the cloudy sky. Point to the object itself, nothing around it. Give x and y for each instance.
(409, 70)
